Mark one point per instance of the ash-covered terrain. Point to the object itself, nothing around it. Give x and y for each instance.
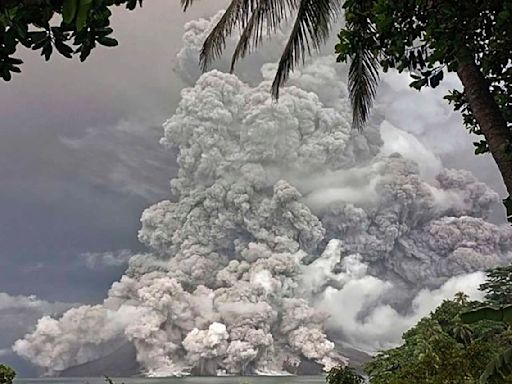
(285, 231)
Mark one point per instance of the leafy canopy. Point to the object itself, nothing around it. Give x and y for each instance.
(462, 341)
(343, 375)
(428, 37)
(7, 374)
(498, 286)
(70, 27)
(439, 349)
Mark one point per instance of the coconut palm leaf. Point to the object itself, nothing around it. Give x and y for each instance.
(363, 78)
(237, 13)
(185, 4)
(311, 28)
(267, 13)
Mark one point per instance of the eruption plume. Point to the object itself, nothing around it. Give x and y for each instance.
(287, 227)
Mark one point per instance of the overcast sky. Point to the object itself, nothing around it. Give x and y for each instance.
(79, 153)
(80, 160)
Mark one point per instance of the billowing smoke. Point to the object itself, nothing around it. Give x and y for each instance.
(288, 230)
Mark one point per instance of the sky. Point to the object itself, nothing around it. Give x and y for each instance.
(80, 159)
(79, 153)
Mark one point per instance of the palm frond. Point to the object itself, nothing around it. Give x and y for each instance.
(185, 4)
(311, 28)
(363, 78)
(236, 13)
(269, 13)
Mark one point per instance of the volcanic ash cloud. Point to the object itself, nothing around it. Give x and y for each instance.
(288, 226)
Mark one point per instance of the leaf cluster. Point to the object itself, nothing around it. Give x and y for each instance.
(69, 27)
(441, 348)
(343, 375)
(498, 286)
(429, 37)
(7, 374)
(311, 23)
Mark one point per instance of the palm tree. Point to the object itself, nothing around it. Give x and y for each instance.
(313, 20)
(367, 47)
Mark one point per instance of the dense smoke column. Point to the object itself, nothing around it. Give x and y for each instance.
(282, 215)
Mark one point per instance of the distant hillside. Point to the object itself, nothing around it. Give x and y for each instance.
(121, 362)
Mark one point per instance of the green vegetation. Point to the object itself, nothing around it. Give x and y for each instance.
(69, 27)
(461, 342)
(344, 375)
(499, 368)
(427, 38)
(441, 349)
(498, 286)
(108, 380)
(7, 374)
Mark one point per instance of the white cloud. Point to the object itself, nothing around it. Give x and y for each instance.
(95, 260)
(19, 315)
(359, 309)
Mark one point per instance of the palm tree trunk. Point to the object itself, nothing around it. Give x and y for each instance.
(487, 114)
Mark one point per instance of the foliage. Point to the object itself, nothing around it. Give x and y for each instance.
(424, 37)
(500, 367)
(108, 380)
(428, 37)
(503, 314)
(70, 27)
(461, 342)
(441, 349)
(312, 22)
(343, 375)
(498, 286)
(7, 374)
(363, 73)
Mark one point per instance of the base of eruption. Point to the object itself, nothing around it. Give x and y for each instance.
(120, 363)
(288, 236)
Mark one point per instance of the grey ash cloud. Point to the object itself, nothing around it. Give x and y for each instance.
(278, 211)
(80, 160)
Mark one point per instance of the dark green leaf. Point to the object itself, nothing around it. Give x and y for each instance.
(47, 51)
(107, 41)
(64, 49)
(82, 13)
(5, 73)
(481, 147)
(488, 313)
(508, 207)
(69, 9)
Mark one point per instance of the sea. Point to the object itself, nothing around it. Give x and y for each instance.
(182, 380)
